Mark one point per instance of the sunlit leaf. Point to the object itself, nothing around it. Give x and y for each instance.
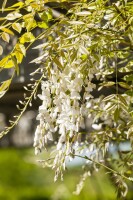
(58, 63)
(19, 56)
(19, 4)
(123, 100)
(76, 22)
(7, 30)
(112, 96)
(83, 13)
(5, 37)
(108, 84)
(4, 61)
(27, 37)
(4, 5)
(42, 25)
(124, 85)
(1, 50)
(17, 27)
(13, 16)
(5, 85)
(43, 45)
(40, 58)
(2, 93)
(20, 48)
(128, 78)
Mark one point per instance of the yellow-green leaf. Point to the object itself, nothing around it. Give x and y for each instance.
(15, 64)
(2, 93)
(9, 64)
(6, 30)
(108, 84)
(5, 85)
(20, 48)
(19, 56)
(5, 37)
(27, 37)
(2, 18)
(4, 61)
(116, 114)
(109, 97)
(42, 24)
(19, 4)
(124, 85)
(17, 27)
(57, 62)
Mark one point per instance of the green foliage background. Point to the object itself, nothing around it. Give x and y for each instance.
(21, 178)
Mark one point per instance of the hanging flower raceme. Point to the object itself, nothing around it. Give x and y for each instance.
(61, 109)
(79, 60)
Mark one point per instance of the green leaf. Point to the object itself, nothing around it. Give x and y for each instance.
(57, 62)
(68, 46)
(43, 16)
(129, 93)
(15, 64)
(108, 84)
(116, 114)
(128, 78)
(49, 14)
(124, 85)
(112, 96)
(125, 69)
(122, 99)
(74, 55)
(111, 107)
(84, 56)
(5, 37)
(27, 37)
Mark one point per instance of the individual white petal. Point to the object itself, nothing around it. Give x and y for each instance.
(97, 126)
